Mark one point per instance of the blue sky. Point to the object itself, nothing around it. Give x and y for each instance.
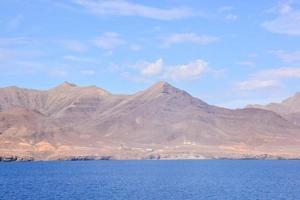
(226, 52)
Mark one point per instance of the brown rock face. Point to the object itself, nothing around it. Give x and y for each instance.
(162, 121)
(289, 108)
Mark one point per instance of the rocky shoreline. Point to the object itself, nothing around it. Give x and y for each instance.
(15, 159)
(148, 157)
(85, 158)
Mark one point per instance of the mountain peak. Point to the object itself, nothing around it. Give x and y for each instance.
(162, 83)
(66, 85)
(163, 86)
(287, 106)
(292, 104)
(296, 97)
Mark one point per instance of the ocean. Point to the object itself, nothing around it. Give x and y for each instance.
(151, 180)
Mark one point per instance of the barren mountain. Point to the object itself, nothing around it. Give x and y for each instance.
(159, 122)
(289, 108)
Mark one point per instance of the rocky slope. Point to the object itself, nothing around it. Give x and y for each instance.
(72, 122)
(289, 108)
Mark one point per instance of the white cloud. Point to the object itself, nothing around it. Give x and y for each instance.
(188, 37)
(6, 55)
(257, 84)
(252, 55)
(12, 55)
(287, 56)
(154, 68)
(284, 7)
(77, 58)
(64, 5)
(284, 24)
(108, 53)
(269, 78)
(126, 8)
(279, 73)
(225, 11)
(191, 70)
(137, 79)
(14, 41)
(286, 20)
(109, 40)
(246, 63)
(225, 8)
(88, 72)
(75, 45)
(158, 69)
(15, 22)
(231, 17)
(135, 47)
(58, 72)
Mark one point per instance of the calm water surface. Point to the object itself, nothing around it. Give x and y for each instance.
(151, 180)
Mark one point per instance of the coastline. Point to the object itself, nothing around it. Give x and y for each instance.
(7, 159)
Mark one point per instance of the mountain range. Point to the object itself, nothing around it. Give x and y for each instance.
(161, 122)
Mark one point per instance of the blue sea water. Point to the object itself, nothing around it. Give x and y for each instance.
(151, 180)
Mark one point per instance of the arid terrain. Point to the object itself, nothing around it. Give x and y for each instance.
(161, 122)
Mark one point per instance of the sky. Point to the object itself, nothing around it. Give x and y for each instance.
(228, 53)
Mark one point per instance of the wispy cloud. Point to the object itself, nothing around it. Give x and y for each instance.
(255, 84)
(139, 79)
(58, 72)
(191, 37)
(15, 22)
(246, 63)
(231, 17)
(135, 47)
(63, 4)
(75, 45)
(286, 20)
(78, 59)
(271, 78)
(225, 8)
(13, 55)
(252, 55)
(6, 55)
(88, 72)
(14, 41)
(283, 72)
(287, 56)
(109, 40)
(126, 8)
(226, 12)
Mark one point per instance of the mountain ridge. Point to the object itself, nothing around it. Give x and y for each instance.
(161, 121)
(288, 108)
